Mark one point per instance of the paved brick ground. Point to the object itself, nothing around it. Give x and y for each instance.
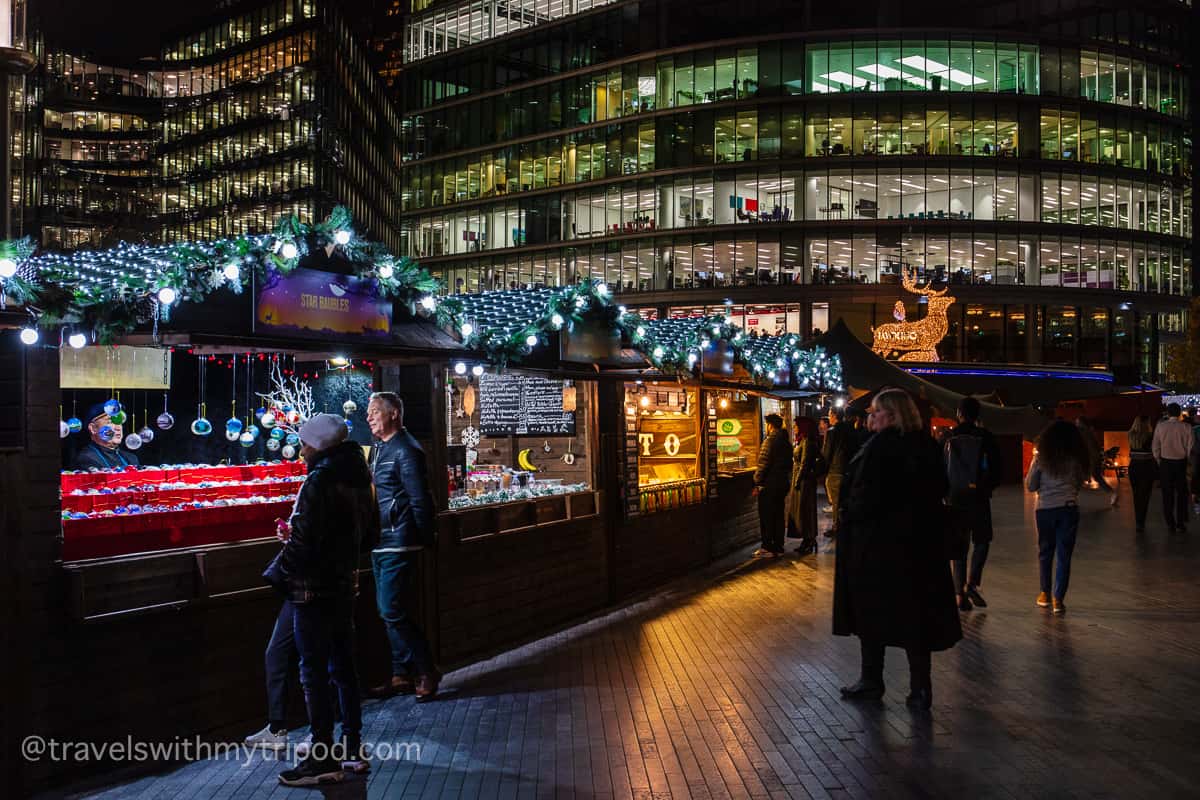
(724, 685)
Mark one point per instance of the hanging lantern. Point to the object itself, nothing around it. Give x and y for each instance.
(570, 399)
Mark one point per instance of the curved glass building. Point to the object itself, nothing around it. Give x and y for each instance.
(788, 161)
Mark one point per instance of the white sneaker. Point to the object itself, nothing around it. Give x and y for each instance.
(827, 509)
(267, 739)
(302, 748)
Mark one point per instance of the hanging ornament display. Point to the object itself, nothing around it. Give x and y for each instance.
(201, 426)
(165, 421)
(147, 433)
(267, 419)
(349, 407)
(247, 439)
(112, 406)
(293, 439)
(470, 437)
(349, 425)
(289, 451)
(293, 417)
(277, 434)
(133, 441)
(232, 435)
(64, 430)
(75, 424)
(254, 432)
(272, 445)
(119, 417)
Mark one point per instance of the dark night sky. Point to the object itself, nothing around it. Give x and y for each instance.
(123, 31)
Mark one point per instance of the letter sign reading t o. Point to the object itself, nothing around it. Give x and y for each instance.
(646, 439)
(671, 444)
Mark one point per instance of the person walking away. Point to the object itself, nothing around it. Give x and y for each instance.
(838, 448)
(407, 520)
(1091, 438)
(318, 571)
(1171, 447)
(807, 466)
(892, 584)
(1141, 469)
(972, 467)
(1060, 466)
(771, 480)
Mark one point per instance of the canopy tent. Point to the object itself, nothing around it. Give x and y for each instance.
(864, 371)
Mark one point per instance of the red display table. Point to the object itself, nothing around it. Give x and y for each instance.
(116, 535)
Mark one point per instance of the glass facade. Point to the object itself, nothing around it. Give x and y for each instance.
(1007, 159)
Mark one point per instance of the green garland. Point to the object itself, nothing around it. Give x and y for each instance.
(114, 291)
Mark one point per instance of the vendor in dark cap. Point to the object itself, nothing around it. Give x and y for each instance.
(102, 453)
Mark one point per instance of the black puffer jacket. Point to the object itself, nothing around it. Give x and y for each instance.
(774, 473)
(333, 519)
(406, 513)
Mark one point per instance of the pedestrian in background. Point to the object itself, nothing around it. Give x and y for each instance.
(771, 479)
(1141, 469)
(1061, 464)
(972, 467)
(892, 585)
(807, 468)
(1095, 450)
(1172, 447)
(838, 448)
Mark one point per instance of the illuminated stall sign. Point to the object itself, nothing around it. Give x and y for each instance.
(311, 302)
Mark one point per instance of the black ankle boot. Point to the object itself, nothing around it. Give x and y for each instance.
(920, 700)
(863, 690)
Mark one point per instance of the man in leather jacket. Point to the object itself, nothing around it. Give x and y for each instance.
(317, 571)
(407, 523)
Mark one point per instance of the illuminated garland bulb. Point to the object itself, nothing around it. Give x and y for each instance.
(460, 368)
(341, 237)
(556, 320)
(477, 370)
(641, 331)
(645, 400)
(77, 340)
(166, 295)
(289, 251)
(839, 402)
(386, 271)
(716, 330)
(8, 268)
(621, 310)
(29, 335)
(658, 352)
(691, 359)
(531, 340)
(467, 329)
(602, 289)
(795, 354)
(427, 302)
(771, 374)
(232, 272)
(580, 302)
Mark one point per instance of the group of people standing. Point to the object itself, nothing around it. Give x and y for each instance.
(346, 508)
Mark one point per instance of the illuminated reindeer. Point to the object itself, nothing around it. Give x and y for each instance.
(915, 341)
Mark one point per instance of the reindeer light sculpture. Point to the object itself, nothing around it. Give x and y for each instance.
(915, 341)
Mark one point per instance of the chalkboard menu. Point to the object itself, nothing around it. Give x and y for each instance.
(515, 405)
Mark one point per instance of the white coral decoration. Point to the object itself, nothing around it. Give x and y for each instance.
(291, 392)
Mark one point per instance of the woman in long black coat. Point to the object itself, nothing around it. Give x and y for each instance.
(892, 584)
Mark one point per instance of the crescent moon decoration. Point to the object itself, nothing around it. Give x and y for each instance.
(338, 291)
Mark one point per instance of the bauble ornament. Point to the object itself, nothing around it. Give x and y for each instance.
(165, 421)
(272, 445)
(118, 418)
(247, 439)
(349, 407)
(75, 424)
(232, 435)
(289, 451)
(64, 430)
(201, 426)
(147, 434)
(112, 406)
(267, 419)
(133, 441)
(277, 434)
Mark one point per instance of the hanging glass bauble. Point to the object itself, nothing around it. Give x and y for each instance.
(64, 430)
(285, 408)
(261, 410)
(118, 418)
(233, 424)
(201, 426)
(112, 406)
(293, 439)
(254, 431)
(349, 407)
(267, 419)
(232, 435)
(293, 416)
(349, 425)
(107, 433)
(147, 434)
(165, 421)
(75, 424)
(289, 451)
(247, 439)
(277, 434)
(133, 441)
(272, 445)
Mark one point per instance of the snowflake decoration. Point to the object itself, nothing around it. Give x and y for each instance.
(470, 437)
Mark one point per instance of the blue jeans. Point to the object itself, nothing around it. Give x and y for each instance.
(282, 659)
(395, 576)
(1056, 537)
(324, 631)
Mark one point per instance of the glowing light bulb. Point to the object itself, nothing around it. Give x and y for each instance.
(429, 303)
(77, 340)
(341, 237)
(460, 368)
(167, 295)
(658, 352)
(289, 251)
(232, 272)
(602, 289)
(385, 271)
(477, 370)
(556, 320)
(645, 401)
(531, 340)
(8, 268)
(29, 335)
(467, 329)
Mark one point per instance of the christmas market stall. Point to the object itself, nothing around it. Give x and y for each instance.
(154, 395)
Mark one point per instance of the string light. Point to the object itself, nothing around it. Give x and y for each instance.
(166, 295)
(429, 303)
(342, 237)
(289, 251)
(460, 368)
(531, 340)
(29, 335)
(232, 272)
(8, 268)
(915, 341)
(385, 271)
(77, 340)
(477, 370)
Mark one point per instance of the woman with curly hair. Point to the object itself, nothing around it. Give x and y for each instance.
(1061, 464)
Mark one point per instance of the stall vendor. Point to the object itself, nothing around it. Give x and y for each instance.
(104, 449)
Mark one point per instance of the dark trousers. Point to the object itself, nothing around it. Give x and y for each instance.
(920, 665)
(282, 659)
(395, 577)
(1172, 474)
(1098, 476)
(1056, 528)
(970, 525)
(324, 631)
(833, 490)
(771, 518)
(1142, 472)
